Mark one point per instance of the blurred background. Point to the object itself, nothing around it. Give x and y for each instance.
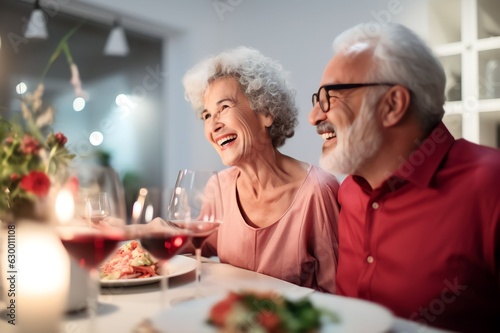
(135, 118)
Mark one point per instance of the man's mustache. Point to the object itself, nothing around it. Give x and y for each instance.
(324, 127)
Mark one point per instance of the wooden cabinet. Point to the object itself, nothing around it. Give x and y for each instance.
(465, 35)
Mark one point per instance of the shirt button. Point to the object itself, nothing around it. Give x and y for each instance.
(375, 205)
(369, 259)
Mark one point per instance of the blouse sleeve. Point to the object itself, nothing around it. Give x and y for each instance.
(324, 235)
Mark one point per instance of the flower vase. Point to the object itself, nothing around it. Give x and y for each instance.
(34, 274)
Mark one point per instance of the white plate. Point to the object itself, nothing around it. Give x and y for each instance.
(356, 316)
(178, 265)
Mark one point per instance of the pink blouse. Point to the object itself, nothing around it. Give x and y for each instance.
(301, 247)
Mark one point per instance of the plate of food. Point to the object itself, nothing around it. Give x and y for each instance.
(250, 311)
(132, 265)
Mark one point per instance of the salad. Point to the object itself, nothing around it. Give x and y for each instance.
(266, 313)
(130, 261)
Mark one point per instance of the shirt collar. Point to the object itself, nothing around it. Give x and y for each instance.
(422, 164)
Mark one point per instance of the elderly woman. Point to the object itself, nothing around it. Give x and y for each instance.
(280, 214)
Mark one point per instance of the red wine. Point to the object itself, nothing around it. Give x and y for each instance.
(164, 245)
(199, 230)
(90, 250)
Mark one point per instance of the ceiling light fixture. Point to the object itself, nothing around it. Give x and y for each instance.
(37, 25)
(117, 44)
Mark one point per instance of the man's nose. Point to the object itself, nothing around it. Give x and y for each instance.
(316, 115)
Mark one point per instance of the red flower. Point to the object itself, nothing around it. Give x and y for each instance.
(36, 182)
(61, 138)
(29, 145)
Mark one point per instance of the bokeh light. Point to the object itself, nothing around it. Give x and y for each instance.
(79, 104)
(96, 138)
(21, 88)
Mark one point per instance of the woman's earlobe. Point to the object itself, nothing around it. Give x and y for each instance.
(268, 121)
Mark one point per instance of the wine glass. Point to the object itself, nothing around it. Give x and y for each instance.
(88, 231)
(95, 179)
(97, 206)
(196, 205)
(156, 236)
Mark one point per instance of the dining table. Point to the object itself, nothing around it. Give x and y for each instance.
(134, 307)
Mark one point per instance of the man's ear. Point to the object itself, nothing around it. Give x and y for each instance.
(394, 105)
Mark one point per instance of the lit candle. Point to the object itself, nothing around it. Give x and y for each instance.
(42, 274)
(138, 205)
(65, 206)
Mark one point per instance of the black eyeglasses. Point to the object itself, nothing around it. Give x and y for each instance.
(324, 99)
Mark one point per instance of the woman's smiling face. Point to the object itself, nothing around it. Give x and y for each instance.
(235, 130)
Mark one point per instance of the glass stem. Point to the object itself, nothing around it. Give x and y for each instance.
(94, 290)
(163, 285)
(197, 251)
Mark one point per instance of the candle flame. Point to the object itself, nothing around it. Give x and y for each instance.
(65, 206)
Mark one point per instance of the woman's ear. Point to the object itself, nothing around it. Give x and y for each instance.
(268, 120)
(395, 105)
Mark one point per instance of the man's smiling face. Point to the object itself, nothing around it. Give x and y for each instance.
(349, 127)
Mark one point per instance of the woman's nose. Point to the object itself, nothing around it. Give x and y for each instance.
(214, 124)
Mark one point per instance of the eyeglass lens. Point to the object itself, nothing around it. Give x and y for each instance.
(322, 98)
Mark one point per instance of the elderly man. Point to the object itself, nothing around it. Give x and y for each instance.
(419, 226)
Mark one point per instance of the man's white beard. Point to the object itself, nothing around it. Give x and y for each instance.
(355, 144)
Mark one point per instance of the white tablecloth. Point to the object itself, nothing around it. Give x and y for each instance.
(121, 309)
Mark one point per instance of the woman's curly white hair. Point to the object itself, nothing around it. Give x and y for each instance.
(262, 80)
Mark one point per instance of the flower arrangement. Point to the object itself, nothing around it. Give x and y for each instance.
(32, 157)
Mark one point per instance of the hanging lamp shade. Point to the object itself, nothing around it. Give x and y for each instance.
(117, 44)
(37, 24)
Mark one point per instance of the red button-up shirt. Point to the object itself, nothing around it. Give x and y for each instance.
(426, 244)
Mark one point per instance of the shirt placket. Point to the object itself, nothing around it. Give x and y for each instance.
(372, 214)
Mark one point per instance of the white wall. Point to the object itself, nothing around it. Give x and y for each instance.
(298, 33)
